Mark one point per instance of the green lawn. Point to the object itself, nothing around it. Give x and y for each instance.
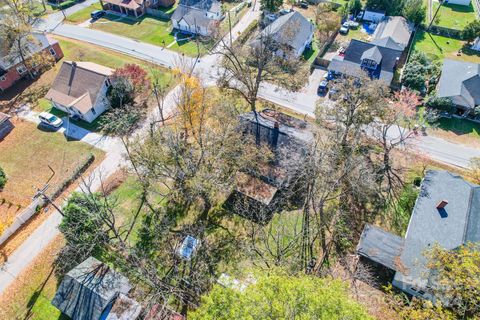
(454, 16)
(460, 126)
(439, 47)
(84, 14)
(311, 53)
(357, 34)
(148, 29)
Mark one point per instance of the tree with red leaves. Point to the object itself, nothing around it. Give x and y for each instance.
(136, 75)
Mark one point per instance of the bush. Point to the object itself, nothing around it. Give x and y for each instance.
(419, 71)
(440, 104)
(3, 179)
(64, 4)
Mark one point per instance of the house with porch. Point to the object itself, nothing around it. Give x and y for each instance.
(134, 8)
(80, 89)
(262, 191)
(12, 68)
(201, 17)
(446, 213)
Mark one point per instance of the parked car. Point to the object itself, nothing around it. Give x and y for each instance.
(322, 88)
(285, 11)
(343, 30)
(271, 17)
(50, 119)
(304, 4)
(342, 51)
(350, 24)
(97, 14)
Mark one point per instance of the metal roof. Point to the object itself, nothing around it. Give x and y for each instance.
(380, 246)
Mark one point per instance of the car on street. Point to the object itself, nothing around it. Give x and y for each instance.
(50, 119)
(304, 4)
(322, 88)
(97, 14)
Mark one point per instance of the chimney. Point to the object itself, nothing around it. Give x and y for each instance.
(442, 204)
(276, 130)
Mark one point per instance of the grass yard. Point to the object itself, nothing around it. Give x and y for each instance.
(311, 53)
(148, 29)
(439, 47)
(30, 295)
(460, 127)
(26, 153)
(84, 14)
(454, 16)
(358, 34)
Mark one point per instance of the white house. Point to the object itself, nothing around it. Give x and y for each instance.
(80, 89)
(197, 17)
(292, 32)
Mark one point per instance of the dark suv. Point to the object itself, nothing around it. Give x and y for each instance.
(97, 14)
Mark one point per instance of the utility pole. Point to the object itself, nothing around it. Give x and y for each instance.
(440, 3)
(230, 27)
(41, 192)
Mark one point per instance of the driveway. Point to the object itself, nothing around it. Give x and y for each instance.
(51, 21)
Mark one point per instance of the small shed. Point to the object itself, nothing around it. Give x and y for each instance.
(373, 15)
(90, 290)
(5, 125)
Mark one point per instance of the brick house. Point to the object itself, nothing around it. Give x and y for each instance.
(12, 68)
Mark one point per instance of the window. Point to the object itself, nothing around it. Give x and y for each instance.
(52, 51)
(413, 289)
(107, 83)
(93, 111)
(421, 292)
(3, 78)
(21, 69)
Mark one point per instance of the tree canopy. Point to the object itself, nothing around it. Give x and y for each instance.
(414, 11)
(472, 30)
(280, 296)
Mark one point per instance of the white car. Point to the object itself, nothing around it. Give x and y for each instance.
(50, 119)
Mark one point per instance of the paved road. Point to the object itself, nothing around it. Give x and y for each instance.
(51, 21)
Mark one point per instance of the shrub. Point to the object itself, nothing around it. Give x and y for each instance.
(3, 179)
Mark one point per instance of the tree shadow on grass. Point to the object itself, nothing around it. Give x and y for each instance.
(460, 8)
(459, 126)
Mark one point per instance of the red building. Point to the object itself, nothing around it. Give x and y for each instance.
(12, 69)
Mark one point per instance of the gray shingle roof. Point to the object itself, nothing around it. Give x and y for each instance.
(393, 32)
(373, 54)
(87, 290)
(450, 228)
(460, 81)
(291, 29)
(192, 16)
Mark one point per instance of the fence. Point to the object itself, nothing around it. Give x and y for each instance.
(446, 32)
(39, 202)
(158, 13)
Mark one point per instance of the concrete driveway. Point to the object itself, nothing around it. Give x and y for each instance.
(314, 80)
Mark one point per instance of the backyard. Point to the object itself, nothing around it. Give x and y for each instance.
(438, 47)
(453, 16)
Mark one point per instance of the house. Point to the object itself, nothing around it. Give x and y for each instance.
(459, 2)
(12, 68)
(260, 192)
(94, 291)
(292, 32)
(362, 57)
(393, 32)
(460, 82)
(446, 213)
(370, 15)
(200, 17)
(80, 89)
(476, 44)
(134, 8)
(5, 125)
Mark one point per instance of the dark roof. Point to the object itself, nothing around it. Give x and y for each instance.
(292, 29)
(393, 33)
(350, 63)
(3, 117)
(88, 290)
(372, 54)
(460, 81)
(380, 246)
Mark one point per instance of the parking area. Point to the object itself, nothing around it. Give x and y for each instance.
(314, 80)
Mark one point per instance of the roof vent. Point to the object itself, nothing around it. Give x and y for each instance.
(442, 204)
